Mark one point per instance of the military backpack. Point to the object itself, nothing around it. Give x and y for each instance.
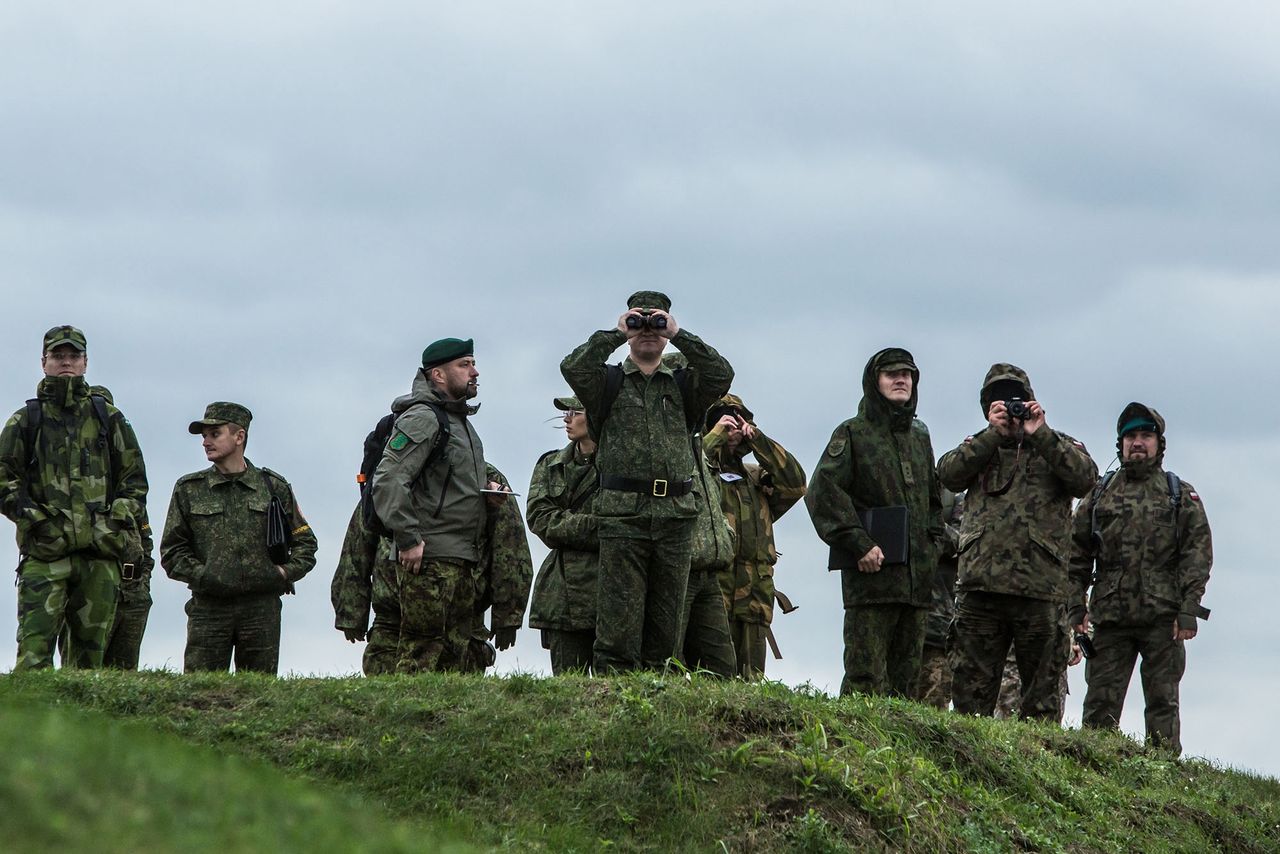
(374, 445)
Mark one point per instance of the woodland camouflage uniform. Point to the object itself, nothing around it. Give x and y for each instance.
(562, 494)
(934, 687)
(882, 457)
(364, 582)
(1014, 544)
(215, 540)
(77, 521)
(1148, 568)
(645, 538)
(754, 496)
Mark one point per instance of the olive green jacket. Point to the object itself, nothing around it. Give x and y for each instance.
(562, 494)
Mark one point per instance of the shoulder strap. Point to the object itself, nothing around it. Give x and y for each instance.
(692, 420)
(105, 444)
(442, 435)
(1095, 535)
(31, 429)
(1175, 499)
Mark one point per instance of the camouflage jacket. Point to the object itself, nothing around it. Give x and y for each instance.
(944, 578)
(882, 457)
(442, 507)
(60, 505)
(645, 435)
(1148, 570)
(562, 495)
(215, 537)
(351, 590)
(1017, 542)
(754, 496)
(505, 567)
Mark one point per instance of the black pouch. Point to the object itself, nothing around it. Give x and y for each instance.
(278, 536)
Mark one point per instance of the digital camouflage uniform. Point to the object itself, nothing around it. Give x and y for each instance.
(882, 457)
(704, 643)
(645, 538)
(934, 687)
(76, 524)
(364, 581)
(1013, 555)
(505, 575)
(754, 496)
(215, 541)
(440, 506)
(1148, 568)
(562, 495)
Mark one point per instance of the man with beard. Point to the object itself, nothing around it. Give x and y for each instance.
(1142, 540)
(1020, 478)
(881, 460)
(436, 513)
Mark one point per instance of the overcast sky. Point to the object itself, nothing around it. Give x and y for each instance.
(283, 205)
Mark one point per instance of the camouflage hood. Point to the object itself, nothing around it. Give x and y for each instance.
(423, 391)
(998, 383)
(1131, 418)
(723, 405)
(874, 406)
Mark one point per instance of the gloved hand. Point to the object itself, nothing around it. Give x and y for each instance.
(505, 638)
(354, 635)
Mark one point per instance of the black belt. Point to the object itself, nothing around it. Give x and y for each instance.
(656, 488)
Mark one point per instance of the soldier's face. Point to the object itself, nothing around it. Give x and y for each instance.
(896, 386)
(648, 344)
(1139, 445)
(459, 378)
(64, 361)
(575, 425)
(221, 441)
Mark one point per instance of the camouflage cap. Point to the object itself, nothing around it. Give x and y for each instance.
(446, 350)
(222, 412)
(568, 404)
(730, 404)
(59, 335)
(1139, 416)
(896, 359)
(649, 299)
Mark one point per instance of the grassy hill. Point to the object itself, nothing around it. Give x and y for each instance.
(636, 763)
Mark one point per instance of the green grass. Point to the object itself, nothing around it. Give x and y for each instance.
(649, 763)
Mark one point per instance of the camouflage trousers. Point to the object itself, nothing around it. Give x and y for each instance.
(749, 641)
(570, 651)
(934, 687)
(437, 615)
(705, 642)
(985, 625)
(1164, 660)
(1009, 701)
(644, 572)
(381, 651)
(882, 649)
(243, 629)
(124, 645)
(78, 592)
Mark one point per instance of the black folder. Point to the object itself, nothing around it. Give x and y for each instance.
(888, 527)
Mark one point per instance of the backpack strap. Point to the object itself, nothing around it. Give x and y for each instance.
(1175, 500)
(1095, 534)
(105, 444)
(31, 430)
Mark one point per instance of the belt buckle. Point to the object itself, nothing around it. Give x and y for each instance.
(127, 572)
(659, 484)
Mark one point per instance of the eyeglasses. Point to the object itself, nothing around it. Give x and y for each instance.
(65, 355)
(569, 413)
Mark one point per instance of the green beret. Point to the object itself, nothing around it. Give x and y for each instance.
(649, 299)
(60, 335)
(567, 404)
(222, 412)
(446, 350)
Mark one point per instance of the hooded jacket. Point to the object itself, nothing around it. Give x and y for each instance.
(882, 457)
(1015, 537)
(1152, 561)
(441, 507)
(60, 505)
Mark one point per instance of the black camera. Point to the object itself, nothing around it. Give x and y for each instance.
(1017, 408)
(646, 318)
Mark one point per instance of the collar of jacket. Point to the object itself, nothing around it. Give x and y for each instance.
(423, 391)
(630, 367)
(1140, 469)
(251, 478)
(63, 391)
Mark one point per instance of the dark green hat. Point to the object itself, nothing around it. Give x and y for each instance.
(446, 350)
(896, 359)
(60, 335)
(565, 404)
(649, 299)
(222, 412)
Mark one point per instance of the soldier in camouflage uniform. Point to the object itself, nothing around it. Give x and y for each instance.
(882, 457)
(562, 495)
(73, 482)
(1020, 478)
(505, 575)
(437, 514)
(1148, 560)
(1008, 702)
(215, 541)
(365, 581)
(754, 496)
(934, 687)
(646, 459)
(705, 644)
